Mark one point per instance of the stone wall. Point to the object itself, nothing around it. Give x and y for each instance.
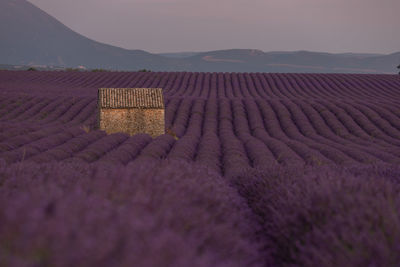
(132, 121)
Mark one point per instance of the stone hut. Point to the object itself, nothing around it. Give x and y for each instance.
(131, 110)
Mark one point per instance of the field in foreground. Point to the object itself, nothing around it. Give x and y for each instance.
(307, 159)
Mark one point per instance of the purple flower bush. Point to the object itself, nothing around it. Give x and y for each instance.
(167, 213)
(327, 216)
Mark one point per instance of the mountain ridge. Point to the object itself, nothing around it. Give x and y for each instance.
(37, 38)
(30, 36)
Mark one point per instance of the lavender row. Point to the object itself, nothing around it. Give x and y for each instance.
(326, 216)
(208, 85)
(149, 214)
(249, 134)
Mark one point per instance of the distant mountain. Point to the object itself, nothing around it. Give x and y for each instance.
(178, 54)
(29, 36)
(236, 60)
(359, 55)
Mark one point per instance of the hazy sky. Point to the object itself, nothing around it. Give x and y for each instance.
(366, 26)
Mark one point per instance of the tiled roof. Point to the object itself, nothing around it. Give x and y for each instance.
(130, 98)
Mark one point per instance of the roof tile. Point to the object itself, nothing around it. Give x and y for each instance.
(130, 98)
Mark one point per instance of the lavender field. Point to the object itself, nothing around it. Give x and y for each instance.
(264, 170)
